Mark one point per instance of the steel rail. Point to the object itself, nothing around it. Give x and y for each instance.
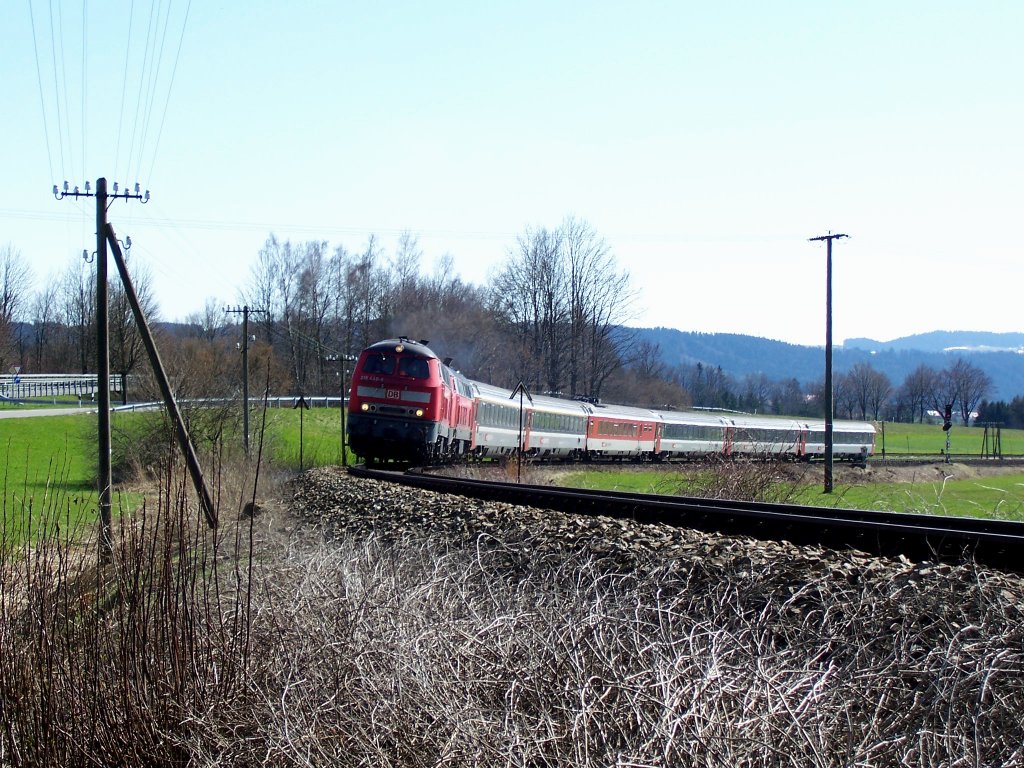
(996, 544)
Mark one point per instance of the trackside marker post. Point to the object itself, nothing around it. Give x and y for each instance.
(520, 390)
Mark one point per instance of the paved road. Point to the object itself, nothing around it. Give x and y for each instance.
(17, 413)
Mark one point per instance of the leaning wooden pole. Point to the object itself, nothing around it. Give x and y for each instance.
(205, 500)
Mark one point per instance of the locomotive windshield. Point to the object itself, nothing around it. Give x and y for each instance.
(379, 364)
(415, 367)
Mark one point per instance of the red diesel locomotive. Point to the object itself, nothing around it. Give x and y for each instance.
(407, 404)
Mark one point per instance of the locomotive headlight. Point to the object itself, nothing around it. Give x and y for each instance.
(419, 412)
(365, 407)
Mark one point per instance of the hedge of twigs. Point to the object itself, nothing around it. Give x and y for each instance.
(395, 627)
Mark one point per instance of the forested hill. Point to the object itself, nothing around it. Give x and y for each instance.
(740, 355)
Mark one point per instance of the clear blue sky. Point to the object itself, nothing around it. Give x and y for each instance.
(705, 141)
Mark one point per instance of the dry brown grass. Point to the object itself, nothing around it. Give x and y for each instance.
(269, 643)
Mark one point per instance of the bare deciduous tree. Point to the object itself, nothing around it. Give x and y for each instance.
(600, 299)
(561, 296)
(757, 392)
(943, 391)
(78, 314)
(405, 270)
(916, 390)
(970, 384)
(843, 399)
(646, 360)
(528, 295)
(126, 347)
(208, 322)
(868, 390)
(15, 283)
(708, 385)
(46, 331)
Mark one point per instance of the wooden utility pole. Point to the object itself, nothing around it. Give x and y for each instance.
(828, 356)
(303, 405)
(245, 312)
(104, 481)
(103, 370)
(105, 236)
(342, 360)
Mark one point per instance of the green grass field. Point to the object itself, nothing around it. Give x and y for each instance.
(320, 431)
(998, 496)
(27, 405)
(48, 469)
(930, 440)
(50, 461)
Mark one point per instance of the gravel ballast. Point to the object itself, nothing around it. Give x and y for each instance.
(717, 650)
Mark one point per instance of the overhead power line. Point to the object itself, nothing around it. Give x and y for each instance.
(42, 99)
(170, 87)
(124, 89)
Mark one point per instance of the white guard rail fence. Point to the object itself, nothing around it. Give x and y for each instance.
(288, 401)
(83, 386)
(36, 385)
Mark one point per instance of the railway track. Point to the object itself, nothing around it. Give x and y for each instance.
(996, 544)
(970, 460)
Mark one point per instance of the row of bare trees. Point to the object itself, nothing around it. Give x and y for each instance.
(552, 317)
(863, 392)
(962, 386)
(318, 306)
(547, 318)
(54, 329)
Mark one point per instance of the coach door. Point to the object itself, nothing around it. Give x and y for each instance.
(728, 435)
(527, 428)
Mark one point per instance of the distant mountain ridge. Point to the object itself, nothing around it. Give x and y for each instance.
(739, 355)
(941, 341)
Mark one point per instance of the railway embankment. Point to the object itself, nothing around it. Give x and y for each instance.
(572, 638)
